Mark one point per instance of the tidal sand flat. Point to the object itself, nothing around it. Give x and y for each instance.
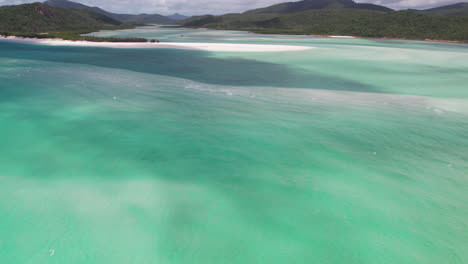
(353, 151)
(172, 45)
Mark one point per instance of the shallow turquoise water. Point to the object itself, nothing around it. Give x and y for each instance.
(353, 152)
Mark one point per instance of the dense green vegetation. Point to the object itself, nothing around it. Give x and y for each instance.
(315, 17)
(337, 19)
(365, 23)
(126, 18)
(40, 17)
(71, 35)
(229, 21)
(43, 21)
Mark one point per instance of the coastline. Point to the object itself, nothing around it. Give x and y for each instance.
(226, 47)
(388, 38)
(334, 36)
(348, 36)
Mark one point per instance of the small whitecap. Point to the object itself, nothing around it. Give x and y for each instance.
(438, 111)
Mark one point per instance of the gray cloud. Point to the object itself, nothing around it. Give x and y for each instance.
(197, 7)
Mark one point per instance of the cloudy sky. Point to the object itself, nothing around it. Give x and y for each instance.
(197, 7)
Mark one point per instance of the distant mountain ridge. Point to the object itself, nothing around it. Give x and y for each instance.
(458, 9)
(304, 5)
(126, 18)
(177, 16)
(452, 6)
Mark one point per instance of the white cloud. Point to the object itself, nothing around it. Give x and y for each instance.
(197, 7)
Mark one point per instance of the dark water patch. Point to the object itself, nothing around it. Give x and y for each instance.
(188, 64)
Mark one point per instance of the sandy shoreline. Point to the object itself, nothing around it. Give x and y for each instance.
(167, 45)
(388, 38)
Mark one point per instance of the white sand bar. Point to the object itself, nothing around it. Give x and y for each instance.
(341, 37)
(166, 45)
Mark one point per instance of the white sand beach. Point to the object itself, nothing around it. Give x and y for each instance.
(167, 45)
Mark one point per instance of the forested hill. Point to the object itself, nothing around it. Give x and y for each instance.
(177, 17)
(335, 17)
(126, 18)
(39, 17)
(294, 7)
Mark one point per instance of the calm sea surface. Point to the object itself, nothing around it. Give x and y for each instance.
(355, 151)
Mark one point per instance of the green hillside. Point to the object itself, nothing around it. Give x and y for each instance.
(294, 7)
(126, 18)
(365, 23)
(40, 17)
(39, 20)
(142, 18)
(228, 21)
(338, 20)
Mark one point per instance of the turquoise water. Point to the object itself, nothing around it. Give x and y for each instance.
(355, 151)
